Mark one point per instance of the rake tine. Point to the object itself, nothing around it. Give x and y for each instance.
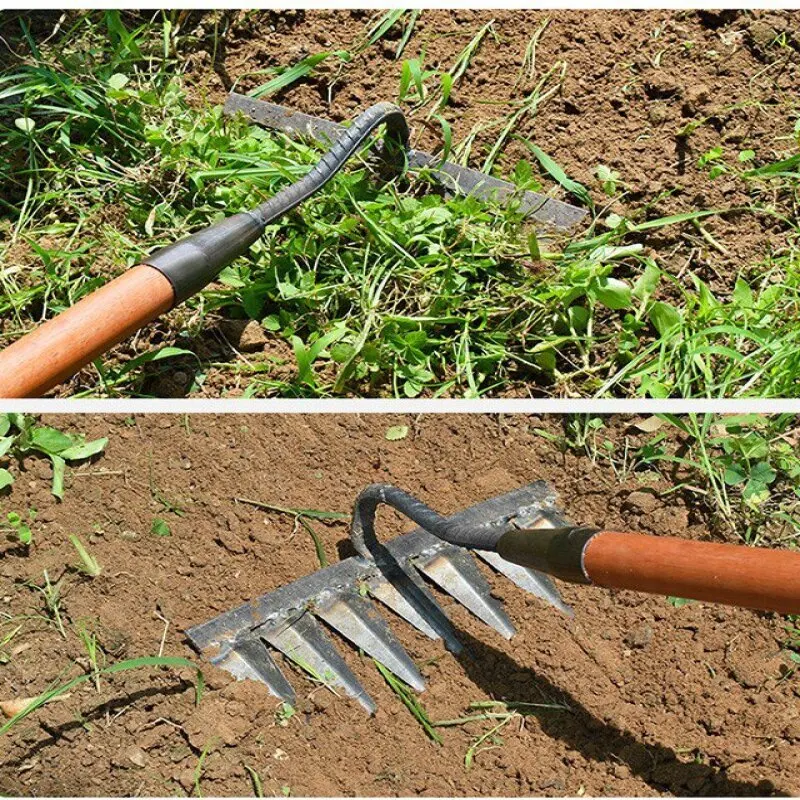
(537, 583)
(388, 595)
(414, 596)
(454, 571)
(305, 643)
(357, 619)
(251, 659)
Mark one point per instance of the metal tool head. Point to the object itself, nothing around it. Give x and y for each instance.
(341, 596)
(455, 179)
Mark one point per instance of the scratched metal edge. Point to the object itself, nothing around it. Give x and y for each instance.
(540, 207)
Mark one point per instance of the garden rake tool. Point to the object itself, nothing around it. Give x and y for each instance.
(522, 535)
(59, 348)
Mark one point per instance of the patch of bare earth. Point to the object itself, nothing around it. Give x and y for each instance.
(690, 700)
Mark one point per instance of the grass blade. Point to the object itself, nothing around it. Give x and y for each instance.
(175, 662)
(410, 701)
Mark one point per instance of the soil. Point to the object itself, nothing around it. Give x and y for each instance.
(691, 700)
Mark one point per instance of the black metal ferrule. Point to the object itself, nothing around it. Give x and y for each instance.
(555, 551)
(193, 262)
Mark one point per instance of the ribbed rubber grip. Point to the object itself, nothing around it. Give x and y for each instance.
(337, 157)
(362, 530)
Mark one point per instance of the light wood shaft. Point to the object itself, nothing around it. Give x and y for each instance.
(63, 345)
(751, 577)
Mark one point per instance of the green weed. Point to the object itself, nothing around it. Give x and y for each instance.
(255, 778)
(89, 565)
(21, 435)
(301, 518)
(411, 702)
(94, 652)
(51, 595)
(744, 469)
(121, 666)
(499, 714)
(20, 527)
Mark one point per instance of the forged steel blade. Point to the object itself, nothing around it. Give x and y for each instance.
(250, 658)
(409, 594)
(455, 178)
(305, 643)
(454, 571)
(537, 583)
(384, 591)
(357, 620)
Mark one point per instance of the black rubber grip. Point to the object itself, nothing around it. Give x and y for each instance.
(191, 263)
(362, 530)
(346, 145)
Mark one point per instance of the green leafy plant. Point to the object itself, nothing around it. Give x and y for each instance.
(21, 435)
(20, 527)
(608, 178)
(159, 527)
(748, 464)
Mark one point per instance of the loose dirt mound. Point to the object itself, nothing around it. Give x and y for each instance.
(659, 698)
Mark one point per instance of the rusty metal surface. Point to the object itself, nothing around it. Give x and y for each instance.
(463, 180)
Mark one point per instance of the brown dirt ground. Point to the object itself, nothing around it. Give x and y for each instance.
(691, 700)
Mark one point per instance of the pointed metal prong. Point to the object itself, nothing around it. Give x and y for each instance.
(537, 583)
(305, 643)
(250, 658)
(358, 621)
(455, 572)
(384, 591)
(403, 590)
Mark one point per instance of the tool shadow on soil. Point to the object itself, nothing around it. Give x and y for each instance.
(580, 729)
(595, 739)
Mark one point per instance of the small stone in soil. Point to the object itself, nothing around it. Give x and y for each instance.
(644, 502)
(251, 338)
(762, 33)
(639, 636)
(136, 756)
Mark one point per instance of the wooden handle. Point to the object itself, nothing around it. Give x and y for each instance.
(57, 349)
(752, 577)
